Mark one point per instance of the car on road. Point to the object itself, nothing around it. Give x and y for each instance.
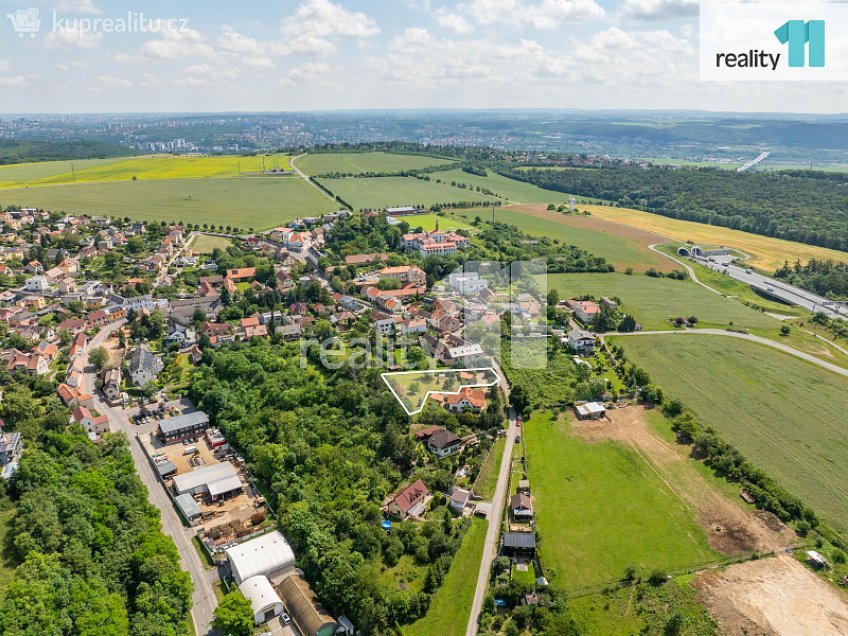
(748, 271)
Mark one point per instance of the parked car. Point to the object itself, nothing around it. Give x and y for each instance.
(285, 619)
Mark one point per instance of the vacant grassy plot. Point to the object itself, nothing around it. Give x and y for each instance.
(653, 300)
(510, 189)
(487, 479)
(600, 508)
(380, 192)
(767, 253)
(206, 244)
(787, 416)
(360, 162)
(7, 568)
(146, 167)
(622, 246)
(428, 222)
(259, 202)
(451, 605)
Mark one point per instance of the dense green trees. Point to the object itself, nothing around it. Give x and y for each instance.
(825, 277)
(92, 557)
(234, 616)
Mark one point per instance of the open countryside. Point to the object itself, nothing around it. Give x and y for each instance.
(146, 167)
(380, 192)
(361, 162)
(779, 411)
(245, 202)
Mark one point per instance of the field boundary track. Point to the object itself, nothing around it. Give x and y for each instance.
(743, 336)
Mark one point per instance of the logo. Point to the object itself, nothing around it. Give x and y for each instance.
(25, 21)
(774, 41)
(799, 34)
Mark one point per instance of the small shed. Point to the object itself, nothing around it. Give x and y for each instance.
(188, 506)
(303, 606)
(519, 545)
(590, 411)
(264, 601)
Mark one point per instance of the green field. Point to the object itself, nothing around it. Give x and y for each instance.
(205, 244)
(600, 508)
(261, 202)
(380, 192)
(7, 568)
(450, 608)
(360, 162)
(487, 479)
(510, 189)
(621, 249)
(146, 167)
(784, 414)
(428, 222)
(653, 300)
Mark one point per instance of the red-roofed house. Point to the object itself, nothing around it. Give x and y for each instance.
(409, 502)
(467, 399)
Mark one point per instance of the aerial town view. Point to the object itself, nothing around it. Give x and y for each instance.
(423, 318)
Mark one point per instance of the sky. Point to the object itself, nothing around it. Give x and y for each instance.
(291, 55)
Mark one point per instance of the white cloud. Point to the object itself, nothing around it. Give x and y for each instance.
(178, 44)
(4, 66)
(212, 72)
(309, 73)
(78, 6)
(112, 80)
(658, 9)
(13, 81)
(542, 15)
(453, 22)
(316, 23)
(71, 37)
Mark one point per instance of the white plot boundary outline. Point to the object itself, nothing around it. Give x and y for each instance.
(427, 395)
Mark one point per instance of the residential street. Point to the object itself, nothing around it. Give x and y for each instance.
(204, 600)
(490, 547)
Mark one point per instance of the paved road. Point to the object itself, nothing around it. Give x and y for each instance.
(490, 548)
(764, 284)
(306, 178)
(203, 599)
(742, 336)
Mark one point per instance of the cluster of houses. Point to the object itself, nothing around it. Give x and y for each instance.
(435, 243)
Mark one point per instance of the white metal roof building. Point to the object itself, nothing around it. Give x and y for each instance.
(264, 600)
(590, 410)
(215, 479)
(267, 555)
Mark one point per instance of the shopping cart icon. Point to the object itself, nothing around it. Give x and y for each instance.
(25, 21)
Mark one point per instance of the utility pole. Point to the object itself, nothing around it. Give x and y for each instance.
(73, 172)
(493, 215)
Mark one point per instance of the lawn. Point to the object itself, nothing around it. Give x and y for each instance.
(653, 300)
(784, 414)
(380, 192)
(261, 202)
(487, 479)
(146, 167)
(450, 608)
(360, 162)
(622, 246)
(206, 244)
(427, 222)
(767, 253)
(600, 508)
(405, 576)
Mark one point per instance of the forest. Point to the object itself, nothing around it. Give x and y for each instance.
(824, 277)
(14, 151)
(87, 547)
(808, 207)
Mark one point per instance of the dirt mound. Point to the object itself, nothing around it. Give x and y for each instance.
(772, 597)
(731, 527)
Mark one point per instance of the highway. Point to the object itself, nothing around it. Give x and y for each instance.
(774, 288)
(203, 598)
(490, 547)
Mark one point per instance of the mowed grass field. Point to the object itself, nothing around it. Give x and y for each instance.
(145, 167)
(601, 508)
(260, 202)
(509, 189)
(622, 246)
(380, 192)
(360, 162)
(450, 607)
(786, 416)
(427, 222)
(205, 244)
(767, 254)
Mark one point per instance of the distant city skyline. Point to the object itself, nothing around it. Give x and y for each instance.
(301, 55)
